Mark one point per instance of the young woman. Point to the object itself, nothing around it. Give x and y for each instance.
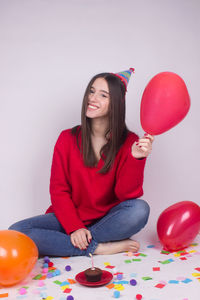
(96, 179)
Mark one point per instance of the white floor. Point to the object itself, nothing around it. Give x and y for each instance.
(180, 278)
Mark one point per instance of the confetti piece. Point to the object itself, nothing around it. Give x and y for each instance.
(138, 297)
(52, 268)
(150, 246)
(64, 287)
(127, 261)
(5, 295)
(64, 283)
(147, 278)
(106, 264)
(142, 254)
(67, 290)
(41, 283)
(165, 252)
(118, 273)
(110, 267)
(196, 274)
(177, 254)
(22, 291)
(133, 275)
(110, 286)
(116, 294)
(133, 282)
(198, 269)
(37, 277)
(192, 251)
(68, 268)
(136, 259)
(186, 280)
(183, 258)
(57, 282)
(70, 297)
(119, 276)
(168, 261)
(173, 281)
(71, 281)
(120, 288)
(156, 268)
(49, 298)
(160, 285)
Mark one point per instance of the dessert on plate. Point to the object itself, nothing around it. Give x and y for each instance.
(93, 274)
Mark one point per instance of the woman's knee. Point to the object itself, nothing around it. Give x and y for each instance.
(21, 226)
(143, 208)
(139, 212)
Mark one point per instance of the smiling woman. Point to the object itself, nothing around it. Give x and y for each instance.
(96, 179)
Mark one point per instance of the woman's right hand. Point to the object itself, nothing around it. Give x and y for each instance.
(81, 238)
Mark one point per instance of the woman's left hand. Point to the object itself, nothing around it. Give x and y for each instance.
(142, 148)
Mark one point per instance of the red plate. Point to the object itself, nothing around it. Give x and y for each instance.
(105, 278)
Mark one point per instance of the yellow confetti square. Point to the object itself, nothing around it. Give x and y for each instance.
(121, 288)
(192, 251)
(196, 274)
(177, 254)
(106, 264)
(49, 298)
(65, 287)
(117, 286)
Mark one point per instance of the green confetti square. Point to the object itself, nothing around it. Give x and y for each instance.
(57, 282)
(127, 261)
(147, 278)
(37, 277)
(136, 259)
(165, 252)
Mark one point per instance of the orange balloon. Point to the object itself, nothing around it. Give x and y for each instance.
(18, 255)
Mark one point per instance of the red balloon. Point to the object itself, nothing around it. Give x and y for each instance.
(178, 225)
(18, 255)
(165, 102)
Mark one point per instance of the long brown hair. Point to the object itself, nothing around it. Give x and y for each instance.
(117, 131)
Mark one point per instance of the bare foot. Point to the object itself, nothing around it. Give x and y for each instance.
(117, 247)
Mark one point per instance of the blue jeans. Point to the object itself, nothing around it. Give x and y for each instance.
(121, 222)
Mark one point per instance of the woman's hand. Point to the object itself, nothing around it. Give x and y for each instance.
(142, 148)
(81, 238)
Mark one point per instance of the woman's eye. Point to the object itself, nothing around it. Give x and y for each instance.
(103, 95)
(91, 92)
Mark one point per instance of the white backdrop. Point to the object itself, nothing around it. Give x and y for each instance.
(50, 49)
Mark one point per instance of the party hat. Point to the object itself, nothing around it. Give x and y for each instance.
(125, 76)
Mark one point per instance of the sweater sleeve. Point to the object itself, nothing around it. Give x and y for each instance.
(129, 175)
(60, 188)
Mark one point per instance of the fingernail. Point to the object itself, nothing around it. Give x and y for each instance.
(137, 143)
(146, 134)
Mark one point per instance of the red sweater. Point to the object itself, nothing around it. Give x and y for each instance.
(79, 194)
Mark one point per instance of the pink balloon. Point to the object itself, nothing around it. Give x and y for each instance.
(165, 102)
(178, 225)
